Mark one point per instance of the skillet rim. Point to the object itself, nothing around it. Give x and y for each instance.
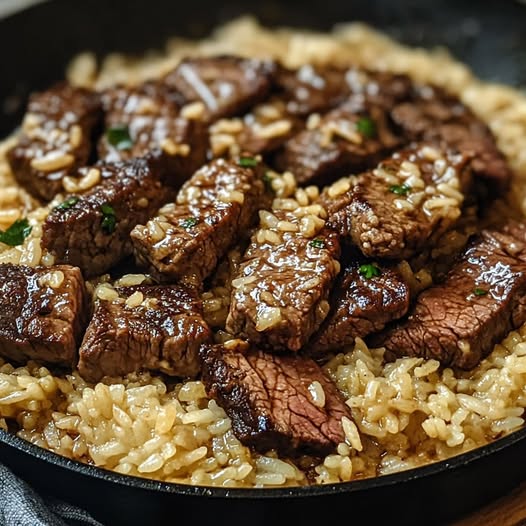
(291, 492)
(92, 472)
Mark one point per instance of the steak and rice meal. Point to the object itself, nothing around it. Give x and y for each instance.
(268, 258)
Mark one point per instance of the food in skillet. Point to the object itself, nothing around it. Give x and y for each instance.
(292, 267)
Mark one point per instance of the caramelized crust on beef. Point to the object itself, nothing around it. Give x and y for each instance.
(163, 332)
(56, 138)
(43, 315)
(94, 232)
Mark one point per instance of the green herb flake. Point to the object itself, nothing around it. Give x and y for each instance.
(68, 203)
(479, 292)
(400, 189)
(247, 162)
(16, 233)
(119, 136)
(187, 223)
(369, 270)
(317, 243)
(267, 179)
(109, 220)
(366, 127)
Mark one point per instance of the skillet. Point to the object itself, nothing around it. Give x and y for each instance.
(40, 41)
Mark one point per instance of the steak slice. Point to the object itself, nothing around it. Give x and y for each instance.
(264, 129)
(434, 115)
(364, 299)
(44, 313)
(349, 138)
(280, 293)
(226, 85)
(404, 204)
(56, 138)
(92, 231)
(283, 403)
(316, 89)
(212, 211)
(481, 300)
(145, 120)
(157, 328)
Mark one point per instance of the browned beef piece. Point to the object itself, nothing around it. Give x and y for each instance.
(273, 400)
(145, 120)
(158, 328)
(405, 204)
(282, 286)
(349, 138)
(313, 88)
(226, 85)
(56, 138)
(434, 115)
(482, 298)
(364, 299)
(92, 231)
(213, 210)
(264, 129)
(43, 313)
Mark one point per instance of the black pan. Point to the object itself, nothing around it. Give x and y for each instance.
(36, 45)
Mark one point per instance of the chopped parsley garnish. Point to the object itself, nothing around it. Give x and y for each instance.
(479, 292)
(247, 162)
(68, 203)
(16, 233)
(108, 218)
(268, 182)
(189, 222)
(369, 270)
(400, 189)
(366, 127)
(119, 136)
(317, 243)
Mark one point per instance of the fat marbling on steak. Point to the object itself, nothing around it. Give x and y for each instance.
(56, 138)
(276, 402)
(481, 300)
(43, 314)
(156, 328)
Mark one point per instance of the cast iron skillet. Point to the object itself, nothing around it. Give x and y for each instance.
(37, 44)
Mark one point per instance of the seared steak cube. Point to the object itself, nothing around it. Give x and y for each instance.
(43, 313)
(316, 89)
(56, 138)
(280, 293)
(364, 299)
(283, 403)
(158, 328)
(404, 204)
(212, 211)
(146, 119)
(226, 85)
(264, 129)
(92, 230)
(349, 138)
(434, 115)
(482, 298)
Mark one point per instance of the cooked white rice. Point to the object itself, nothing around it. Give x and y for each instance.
(406, 414)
